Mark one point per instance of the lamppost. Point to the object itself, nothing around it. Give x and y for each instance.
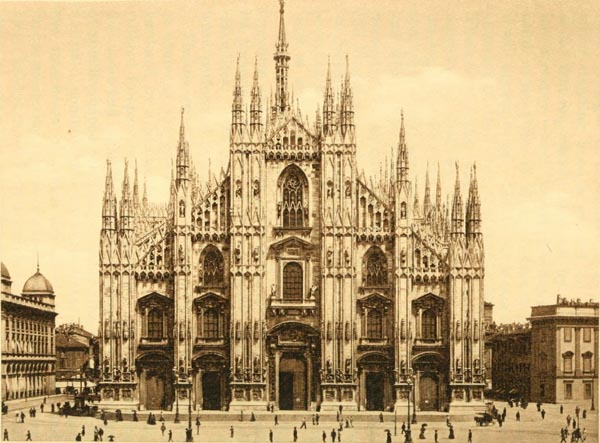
(189, 435)
(176, 376)
(407, 432)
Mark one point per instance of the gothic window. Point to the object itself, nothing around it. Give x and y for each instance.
(376, 268)
(293, 188)
(568, 362)
(212, 267)
(211, 323)
(374, 324)
(292, 281)
(155, 323)
(429, 325)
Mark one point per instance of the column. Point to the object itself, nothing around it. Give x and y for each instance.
(277, 358)
(309, 380)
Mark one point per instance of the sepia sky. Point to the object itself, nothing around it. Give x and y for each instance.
(511, 85)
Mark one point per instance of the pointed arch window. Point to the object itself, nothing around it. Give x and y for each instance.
(212, 265)
(155, 324)
(292, 282)
(375, 272)
(293, 207)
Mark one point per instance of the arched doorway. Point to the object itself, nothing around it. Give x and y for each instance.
(375, 388)
(293, 365)
(211, 391)
(292, 382)
(156, 381)
(210, 381)
(430, 369)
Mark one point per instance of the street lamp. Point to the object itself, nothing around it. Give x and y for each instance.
(407, 432)
(189, 435)
(176, 395)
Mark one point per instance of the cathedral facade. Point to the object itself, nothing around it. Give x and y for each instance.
(290, 280)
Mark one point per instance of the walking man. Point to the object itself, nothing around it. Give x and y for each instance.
(303, 426)
(470, 437)
(543, 413)
(276, 420)
(435, 436)
(333, 435)
(5, 438)
(295, 434)
(324, 436)
(83, 431)
(170, 435)
(270, 436)
(317, 418)
(518, 415)
(231, 432)
(28, 436)
(197, 425)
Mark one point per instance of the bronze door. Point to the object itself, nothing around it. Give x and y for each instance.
(428, 393)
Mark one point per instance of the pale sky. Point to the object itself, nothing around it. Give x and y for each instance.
(511, 85)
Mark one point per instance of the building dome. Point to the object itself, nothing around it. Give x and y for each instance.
(37, 284)
(5, 273)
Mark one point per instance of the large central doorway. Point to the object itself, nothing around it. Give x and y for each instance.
(292, 383)
(428, 393)
(374, 386)
(211, 390)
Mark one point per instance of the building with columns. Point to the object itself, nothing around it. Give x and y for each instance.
(290, 279)
(28, 355)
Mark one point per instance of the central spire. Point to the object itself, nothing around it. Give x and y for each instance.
(281, 58)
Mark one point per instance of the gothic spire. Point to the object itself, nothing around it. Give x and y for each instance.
(402, 162)
(347, 107)
(126, 209)
(145, 197)
(255, 102)
(282, 59)
(136, 189)
(416, 203)
(457, 207)
(109, 202)
(237, 108)
(427, 198)
(328, 104)
(183, 154)
(473, 206)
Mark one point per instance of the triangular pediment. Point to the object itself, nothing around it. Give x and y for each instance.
(292, 243)
(429, 300)
(154, 299)
(374, 300)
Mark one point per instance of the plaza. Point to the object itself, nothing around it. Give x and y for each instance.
(215, 427)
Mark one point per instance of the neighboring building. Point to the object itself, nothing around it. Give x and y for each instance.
(28, 355)
(292, 279)
(564, 340)
(510, 349)
(488, 328)
(74, 358)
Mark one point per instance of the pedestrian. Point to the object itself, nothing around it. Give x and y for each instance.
(403, 428)
(451, 433)
(333, 435)
(161, 416)
(52, 408)
(422, 433)
(347, 423)
(435, 436)
(577, 412)
(568, 420)
(504, 414)
(231, 432)
(337, 415)
(135, 416)
(22, 417)
(381, 417)
(28, 438)
(584, 413)
(163, 428)
(197, 425)
(339, 436)
(83, 431)
(518, 415)
(341, 426)
(295, 434)
(5, 438)
(276, 420)
(583, 435)
(313, 419)
(574, 423)
(100, 433)
(561, 409)
(470, 437)
(170, 435)
(252, 417)
(324, 436)
(42, 408)
(543, 413)
(317, 418)
(563, 435)
(303, 425)
(388, 437)
(270, 436)
(78, 438)
(241, 415)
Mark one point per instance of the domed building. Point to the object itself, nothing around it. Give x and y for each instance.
(28, 350)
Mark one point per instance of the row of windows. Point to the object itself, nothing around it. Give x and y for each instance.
(568, 362)
(156, 330)
(586, 332)
(587, 390)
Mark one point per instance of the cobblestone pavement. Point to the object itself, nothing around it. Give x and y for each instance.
(51, 427)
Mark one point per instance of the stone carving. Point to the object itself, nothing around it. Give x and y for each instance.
(457, 335)
(346, 257)
(238, 188)
(313, 292)
(348, 191)
(347, 331)
(132, 329)
(329, 256)
(255, 255)
(125, 330)
(348, 366)
(256, 188)
(237, 253)
(273, 290)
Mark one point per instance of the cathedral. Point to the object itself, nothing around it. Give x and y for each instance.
(291, 281)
